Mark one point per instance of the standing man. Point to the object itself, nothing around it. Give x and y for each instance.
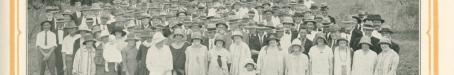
(46, 41)
(68, 48)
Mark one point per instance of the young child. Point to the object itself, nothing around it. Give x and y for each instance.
(84, 63)
(250, 69)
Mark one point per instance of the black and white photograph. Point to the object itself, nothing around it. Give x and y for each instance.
(223, 37)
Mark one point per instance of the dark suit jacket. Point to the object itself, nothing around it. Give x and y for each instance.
(254, 41)
(77, 20)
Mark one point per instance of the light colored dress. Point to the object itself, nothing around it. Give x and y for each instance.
(218, 57)
(196, 60)
(363, 62)
(159, 60)
(84, 63)
(240, 55)
(296, 64)
(342, 60)
(321, 60)
(387, 62)
(112, 52)
(271, 61)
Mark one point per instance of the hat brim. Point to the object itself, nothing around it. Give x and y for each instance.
(386, 31)
(123, 33)
(382, 20)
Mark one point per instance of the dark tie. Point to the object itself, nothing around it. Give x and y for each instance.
(45, 38)
(219, 61)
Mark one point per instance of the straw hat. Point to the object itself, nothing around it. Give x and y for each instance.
(70, 25)
(237, 33)
(296, 42)
(84, 27)
(385, 41)
(365, 40)
(103, 33)
(132, 37)
(123, 33)
(374, 17)
(196, 35)
(320, 36)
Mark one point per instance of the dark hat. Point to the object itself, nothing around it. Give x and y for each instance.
(123, 33)
(374, 17)
(132, 37)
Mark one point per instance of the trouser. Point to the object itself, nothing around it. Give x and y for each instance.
(49, 63)
(59, 60)
(69, 59)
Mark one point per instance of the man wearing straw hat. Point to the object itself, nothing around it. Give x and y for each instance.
(46, 42)
(68, 47)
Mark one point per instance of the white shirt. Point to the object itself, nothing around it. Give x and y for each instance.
(51, 39)
(68, 44)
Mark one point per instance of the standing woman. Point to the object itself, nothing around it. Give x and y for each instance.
(321, 57)
(240, 53)
(196, 56)
(178, 48)
(364, 59)
(296, 63)
(342, 57)
(129, 54)
(271, 58)
(84, 63)
(218, 59)
(159, 57)
(387, 60)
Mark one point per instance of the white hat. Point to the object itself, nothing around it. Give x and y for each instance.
(103, 33)
(84, 27)
(158, 37)
(296, 42)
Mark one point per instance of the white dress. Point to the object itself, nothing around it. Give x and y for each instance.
(363, 62)
(218, 61)
(84, 63)
(112, 52)
(159, 60)
(342, 61)
(271, 61)
(240, 55)
(321, 60)
(387, 62)
(296, 64)
(196, 60)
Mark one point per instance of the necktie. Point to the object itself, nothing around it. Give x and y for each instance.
(219, 61)
(45, 38)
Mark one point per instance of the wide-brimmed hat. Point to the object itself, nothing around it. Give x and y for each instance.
(84, 27)
(320, 36)
(237, 33)
(365, 40)
(296, 42)
(132, 37)
(104, 33)
(385, 41)
(386, 30)
(70, 25)
(374, 17)
(196, 35)
(123, 33)
(342, 39)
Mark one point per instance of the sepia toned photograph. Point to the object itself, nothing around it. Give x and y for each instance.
(223, 37)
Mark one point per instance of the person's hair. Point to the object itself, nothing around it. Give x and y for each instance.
(223, 42)
(317, 38)
(314, 24)
(175, 35)
(192, 40)
(219, 24)
(266, 4)
(250, 64)
(50, 23)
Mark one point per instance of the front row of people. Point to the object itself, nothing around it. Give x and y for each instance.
(175, 56)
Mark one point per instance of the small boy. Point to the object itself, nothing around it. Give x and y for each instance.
(250, 69)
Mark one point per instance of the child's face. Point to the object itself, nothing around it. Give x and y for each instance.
(296, 48)
(250, 67)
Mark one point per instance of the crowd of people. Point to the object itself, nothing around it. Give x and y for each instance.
(212, 37)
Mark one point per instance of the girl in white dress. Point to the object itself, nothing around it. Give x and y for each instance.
(342, 57)
(240, 53)
(321, 57)
(218, 59)
(387, 60)
(271, 58)
(364, 60)
(84, 63)
(196, 57)
(159, 57)
(296, 63)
